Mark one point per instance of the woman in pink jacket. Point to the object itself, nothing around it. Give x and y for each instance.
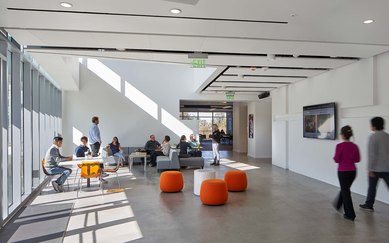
(346, 155)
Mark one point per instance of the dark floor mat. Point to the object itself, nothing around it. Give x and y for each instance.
(38, 223)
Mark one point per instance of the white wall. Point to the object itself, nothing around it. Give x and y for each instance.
(138, 99)
(261, 145)
(360, 91)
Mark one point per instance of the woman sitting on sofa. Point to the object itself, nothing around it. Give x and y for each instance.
(116, 150)
(184, 147)
(165, 146)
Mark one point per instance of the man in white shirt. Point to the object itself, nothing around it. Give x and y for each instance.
(52, 159)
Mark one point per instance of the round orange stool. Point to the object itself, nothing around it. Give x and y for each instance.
(236, 180)
(171, 181)
(213, 192)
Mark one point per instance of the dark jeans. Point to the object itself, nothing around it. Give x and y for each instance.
(373, 181)
(95, 149)
(346, 179)
(153, 156)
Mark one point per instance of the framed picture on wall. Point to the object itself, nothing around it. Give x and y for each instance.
(251, 125)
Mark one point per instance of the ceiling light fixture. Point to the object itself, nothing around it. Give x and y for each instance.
(66, 5)
(265, 69)
(175, 11)
(120, 49)
(368, 21)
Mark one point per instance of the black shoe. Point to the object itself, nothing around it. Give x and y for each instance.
(348, 218)
(153, 165)
(334, 204)
(218, 162)
(214, 163)
(366, 207)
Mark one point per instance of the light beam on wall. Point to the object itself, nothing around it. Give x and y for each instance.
(141, 100)
(77, 134)
(105, 73)
(174, 124)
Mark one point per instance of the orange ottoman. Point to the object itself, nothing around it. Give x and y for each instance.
(236, 180)
(213, 192)
(171, 181)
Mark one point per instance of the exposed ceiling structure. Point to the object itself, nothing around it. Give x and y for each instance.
(257, 45)
(204, 106)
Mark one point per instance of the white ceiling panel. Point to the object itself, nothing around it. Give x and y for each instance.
(325, 21)
(273, 71)
(259, 79)
(246, 84)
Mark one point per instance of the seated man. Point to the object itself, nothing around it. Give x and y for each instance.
(52, 159)
(82, 149)
(153, 148)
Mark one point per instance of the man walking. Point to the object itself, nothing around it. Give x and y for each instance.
(378, 161)
(94, 136)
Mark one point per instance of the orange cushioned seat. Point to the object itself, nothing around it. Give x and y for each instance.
(171, 181)
(236, 180)
(213, 192)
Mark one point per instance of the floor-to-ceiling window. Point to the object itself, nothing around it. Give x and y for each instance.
(26, 129)
(222, 119)
(9, 129)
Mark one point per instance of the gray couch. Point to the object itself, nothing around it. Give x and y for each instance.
(168, 162)
(192, 162)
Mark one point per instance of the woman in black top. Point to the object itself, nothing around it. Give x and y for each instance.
(184, 146)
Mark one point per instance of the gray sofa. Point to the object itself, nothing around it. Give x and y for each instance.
(168, 162)
(192, 162)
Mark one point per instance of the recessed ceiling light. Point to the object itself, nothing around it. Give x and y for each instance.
(66, 5)
(175, 11)
(368, 21)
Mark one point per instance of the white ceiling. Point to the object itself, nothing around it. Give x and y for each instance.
(323, 34)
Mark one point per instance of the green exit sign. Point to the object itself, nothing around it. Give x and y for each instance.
(198, 63)
(230, 95)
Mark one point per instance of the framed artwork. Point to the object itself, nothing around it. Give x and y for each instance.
(251, 125)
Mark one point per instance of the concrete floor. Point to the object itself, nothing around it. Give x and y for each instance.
(279, 206)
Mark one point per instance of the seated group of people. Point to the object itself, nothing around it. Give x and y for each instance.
(187, 148)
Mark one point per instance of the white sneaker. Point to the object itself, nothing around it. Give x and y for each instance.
(105, 175)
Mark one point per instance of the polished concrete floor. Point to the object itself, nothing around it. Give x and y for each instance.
(279, 206)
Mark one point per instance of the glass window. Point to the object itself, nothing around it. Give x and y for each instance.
(9, 121)
(189, 116)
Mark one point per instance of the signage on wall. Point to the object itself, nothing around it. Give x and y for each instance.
(230, 95)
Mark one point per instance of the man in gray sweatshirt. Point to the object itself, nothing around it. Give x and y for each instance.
(378, 160)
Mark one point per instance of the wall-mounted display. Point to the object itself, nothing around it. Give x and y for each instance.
(319, 121)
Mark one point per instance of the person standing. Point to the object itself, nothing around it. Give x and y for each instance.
(346, 155)
(52, 159)
(216, 135)
(94, 136)
(82, 149)
(378, 161)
